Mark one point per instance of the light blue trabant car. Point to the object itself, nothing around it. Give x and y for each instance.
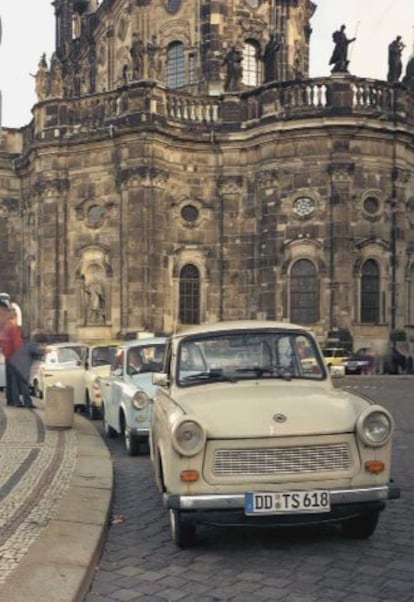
(126, 392)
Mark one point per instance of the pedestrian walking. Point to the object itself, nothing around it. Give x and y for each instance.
(21, 362)
(10, 342)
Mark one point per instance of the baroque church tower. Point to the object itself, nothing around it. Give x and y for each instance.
(181, 167)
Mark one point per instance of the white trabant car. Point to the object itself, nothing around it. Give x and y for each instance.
(98, 364)
(127, 390)
(64, 364)
(248, 429)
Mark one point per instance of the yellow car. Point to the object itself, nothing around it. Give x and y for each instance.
(335, 356)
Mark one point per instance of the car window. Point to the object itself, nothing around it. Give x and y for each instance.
(102, 356)
(67, 355)
(145, 358)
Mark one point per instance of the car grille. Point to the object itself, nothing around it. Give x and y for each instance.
(282, 460)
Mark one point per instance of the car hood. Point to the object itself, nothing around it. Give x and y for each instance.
(269, 408)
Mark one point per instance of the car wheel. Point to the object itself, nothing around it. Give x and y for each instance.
(91, 410)
(183, 533)
(37, 392)
(132, 444)
(360, 527)
(108, 430)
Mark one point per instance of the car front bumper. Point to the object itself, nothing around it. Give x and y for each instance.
(229, 508)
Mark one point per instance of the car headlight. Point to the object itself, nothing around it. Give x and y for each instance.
(140, 400)
(375, 426)
(188, 437)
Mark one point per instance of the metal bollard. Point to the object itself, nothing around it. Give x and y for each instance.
(59, 406)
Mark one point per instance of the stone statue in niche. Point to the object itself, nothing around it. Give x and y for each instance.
(137, 56)
(154, 60)
(233, 62)
(270, 59)
(95, 301)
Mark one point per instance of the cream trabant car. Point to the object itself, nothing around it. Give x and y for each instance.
(64, 364)
(248, 429)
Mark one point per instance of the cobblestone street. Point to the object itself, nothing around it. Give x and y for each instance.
(303, 565)
(36, 467)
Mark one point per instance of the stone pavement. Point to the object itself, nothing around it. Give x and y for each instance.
(55, 498)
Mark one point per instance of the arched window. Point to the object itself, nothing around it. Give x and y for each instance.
(370, 292)
(176, 65)
(251, 69)
(189, 301)
(304, 292)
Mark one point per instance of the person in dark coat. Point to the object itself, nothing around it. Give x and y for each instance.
(22, 361)
(10, 342)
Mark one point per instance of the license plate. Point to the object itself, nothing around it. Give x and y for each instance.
(287, 502)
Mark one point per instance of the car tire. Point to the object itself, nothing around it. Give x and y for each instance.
(37, 392)
(183, 533)
(91, 410)
(108, 430)
(360, 527)
(132, 445)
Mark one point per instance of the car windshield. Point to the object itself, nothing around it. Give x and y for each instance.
(103, 355)
(144, 358)
(71, 355)
(233, 356)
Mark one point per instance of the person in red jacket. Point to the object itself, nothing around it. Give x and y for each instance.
(10, 342)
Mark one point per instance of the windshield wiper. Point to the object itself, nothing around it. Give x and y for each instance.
(213, 374)
(275, 371)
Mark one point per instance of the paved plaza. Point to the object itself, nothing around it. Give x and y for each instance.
(55, 498)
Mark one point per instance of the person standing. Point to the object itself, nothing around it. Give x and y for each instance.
(10, 342)
(21, 362)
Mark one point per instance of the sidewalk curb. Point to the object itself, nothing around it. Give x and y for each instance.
(61, 563)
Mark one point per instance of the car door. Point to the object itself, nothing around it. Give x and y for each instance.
(110, 387)
(65, 366)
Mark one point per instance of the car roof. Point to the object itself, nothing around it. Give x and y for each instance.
(239, 325)
(109, 343)
(143, 342)
(67, 344)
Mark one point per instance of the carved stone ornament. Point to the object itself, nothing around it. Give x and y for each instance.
(231, 184)
(253, 3)
(143, 176)
(267, 179)
(57, 185)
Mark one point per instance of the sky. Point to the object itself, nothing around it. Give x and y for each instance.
(28, 30)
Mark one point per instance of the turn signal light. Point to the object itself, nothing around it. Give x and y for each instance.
(374, 466)
(189, 476)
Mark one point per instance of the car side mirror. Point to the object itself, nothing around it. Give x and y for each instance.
(160, 378)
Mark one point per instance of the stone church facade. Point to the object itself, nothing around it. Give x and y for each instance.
(180, 169)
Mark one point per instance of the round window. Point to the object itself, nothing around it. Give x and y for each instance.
(95, 215)
(190, 213)
(371, 205)
(303, 206)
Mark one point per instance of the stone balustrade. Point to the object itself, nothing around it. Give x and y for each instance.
(147, 102)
